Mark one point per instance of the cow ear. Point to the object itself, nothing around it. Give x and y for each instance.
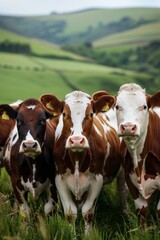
(98, 94)
(52, 104)
(103, 104)
(153, 101)
(7, 112)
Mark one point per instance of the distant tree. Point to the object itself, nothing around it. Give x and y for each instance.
(15, 47)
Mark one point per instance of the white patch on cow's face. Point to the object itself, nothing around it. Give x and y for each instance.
(132, 117)
(31, 107)
(131, 108)
(78, 106)
(77, 103)
(29, 142)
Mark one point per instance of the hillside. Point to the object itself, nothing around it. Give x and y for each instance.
(82, 26)
(38, 47)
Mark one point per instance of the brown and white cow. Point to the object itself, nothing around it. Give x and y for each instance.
(7, 123)
(28, 155)
(86, 150)
(138, 116)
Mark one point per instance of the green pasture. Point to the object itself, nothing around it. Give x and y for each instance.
(109, 222)
(37, 46)
(23, 77)
(139, 35)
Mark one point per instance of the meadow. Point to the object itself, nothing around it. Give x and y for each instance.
(27, 76)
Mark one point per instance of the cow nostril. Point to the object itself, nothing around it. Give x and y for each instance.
(71, 141)
(134, 128)
(24, 145)
(35, 145)
(122, 128)
(82, 141)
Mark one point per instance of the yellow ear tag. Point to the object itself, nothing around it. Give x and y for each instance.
(5, 116)
(48, 105)
(105, 107)
(55, 114)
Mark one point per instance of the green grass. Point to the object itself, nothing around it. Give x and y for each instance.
(109, 222)
(139, 35)
(24, 77)
(37, 46)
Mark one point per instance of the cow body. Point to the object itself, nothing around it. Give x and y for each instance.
(28, 154)
(138, 116)
(86, 151)
(7, 123)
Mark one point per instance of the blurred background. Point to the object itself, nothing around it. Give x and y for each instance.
(60, 46)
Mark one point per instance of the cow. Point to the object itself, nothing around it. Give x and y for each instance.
(6, 125)
(28, 155)
(138, 118)
(86, 151)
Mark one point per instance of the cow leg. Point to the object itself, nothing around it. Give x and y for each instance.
(158, 208)
(123, 190)
(142, 209)
(69, 207)
(21, 196)
(52, 200)
(88, 208)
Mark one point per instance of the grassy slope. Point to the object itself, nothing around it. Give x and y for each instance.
(37, 46)
(139, 35)
(23, 77)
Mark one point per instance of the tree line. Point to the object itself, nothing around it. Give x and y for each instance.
(15, 47)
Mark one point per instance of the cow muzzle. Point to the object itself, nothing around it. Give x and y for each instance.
(128, 129)
(30, 148)
(77, 143)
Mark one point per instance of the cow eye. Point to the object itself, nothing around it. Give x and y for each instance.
(64, 114)
(143, 108)
(91, 114)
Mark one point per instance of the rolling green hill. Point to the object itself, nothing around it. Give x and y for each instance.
(38, 47)
(138, 36)
(23, 77)
(78, 27)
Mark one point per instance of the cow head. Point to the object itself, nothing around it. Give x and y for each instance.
(31, 124)
(132, 110)
(31, 118)
(75, 116)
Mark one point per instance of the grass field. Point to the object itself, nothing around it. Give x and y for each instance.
(37, 46)
(109, 223)
(23, 77)
(138, 36)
